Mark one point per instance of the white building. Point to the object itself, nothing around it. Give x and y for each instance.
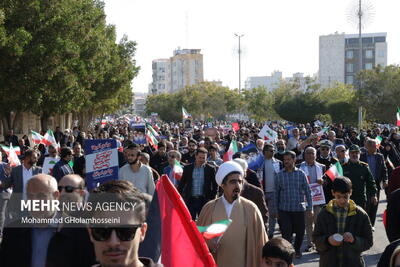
(184, 68)
(339, 56)
(161, 76)
(270, 82)
(139, 103)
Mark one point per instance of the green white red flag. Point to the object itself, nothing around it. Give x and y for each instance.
(398, 116)
(151, 140)
(49, 139)
(150, 128)
(334, 171)
(37, 138)
(8, 149)
(12, 155)
(232, 150)
(214, 230)
(177, 171)
(378, 141)
(185, 114)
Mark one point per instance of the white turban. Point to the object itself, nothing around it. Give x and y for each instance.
(242, 163)
(227, 168)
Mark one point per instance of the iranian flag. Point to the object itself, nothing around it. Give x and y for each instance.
(37, 138)
(398, 116)
(185, 114)
(151, 140)
(232, 150)
(334, 171)
(49, 139)
(214, 230)
(12, 155)
(177, 171)
(378, 141)
(7, 149)
(153, 132)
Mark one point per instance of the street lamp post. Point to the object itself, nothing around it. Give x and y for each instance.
(360, 60)
(239, 52)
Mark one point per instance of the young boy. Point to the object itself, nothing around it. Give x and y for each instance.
(343, 230)
(277, 252)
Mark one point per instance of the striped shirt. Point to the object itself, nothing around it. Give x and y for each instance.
(291, 190)
(198, 181)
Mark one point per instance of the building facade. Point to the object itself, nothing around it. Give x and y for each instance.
(161, 76)
(184, 68)
(139, 103)
(339, 56)
(270, 82)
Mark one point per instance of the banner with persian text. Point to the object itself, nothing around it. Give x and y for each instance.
(101, 161)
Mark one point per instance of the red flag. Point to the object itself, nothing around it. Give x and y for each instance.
(235, 126)
(182, 244)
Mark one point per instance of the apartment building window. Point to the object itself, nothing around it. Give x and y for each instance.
(368, 66)
(349, 79)
(381, 53)
(369, 53)
(349, 54)
(349, 67)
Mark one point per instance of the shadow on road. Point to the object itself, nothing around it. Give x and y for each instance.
(311, 257)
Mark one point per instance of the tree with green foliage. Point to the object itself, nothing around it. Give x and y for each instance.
(200, 100)
(380, 93)
(61, 56)
(259, 104)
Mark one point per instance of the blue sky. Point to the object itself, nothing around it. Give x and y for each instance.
(278, 35)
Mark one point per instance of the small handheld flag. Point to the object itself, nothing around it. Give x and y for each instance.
(214, 230)
(232, 150)
(398, 116)
(335, 171)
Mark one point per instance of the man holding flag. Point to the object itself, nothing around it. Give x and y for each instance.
(242, 242)
(174, 169)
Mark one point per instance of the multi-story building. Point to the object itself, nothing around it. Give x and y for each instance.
(161, 76)
(339, 56)
(183, 69)
(270, 82)
(139, 103)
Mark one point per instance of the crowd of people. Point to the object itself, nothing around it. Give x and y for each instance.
(267, 203)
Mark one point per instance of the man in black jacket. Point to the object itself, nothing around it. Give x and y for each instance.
(160, 158)
(376, 164)
(189, 157)
(70, 246)
(27, 245)
(393, 216)
(198, 185)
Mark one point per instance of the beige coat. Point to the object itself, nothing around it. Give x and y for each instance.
(242, 243)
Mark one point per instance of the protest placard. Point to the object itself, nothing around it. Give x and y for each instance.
(101, 161)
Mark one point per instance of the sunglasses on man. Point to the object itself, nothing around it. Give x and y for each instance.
(123, 233)
(68, 188)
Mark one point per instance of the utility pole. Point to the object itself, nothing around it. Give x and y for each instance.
(240, 69)
(360, 59)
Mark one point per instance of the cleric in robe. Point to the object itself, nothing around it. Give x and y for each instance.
(241, 245)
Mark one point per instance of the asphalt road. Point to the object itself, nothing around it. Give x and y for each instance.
(371, 256)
